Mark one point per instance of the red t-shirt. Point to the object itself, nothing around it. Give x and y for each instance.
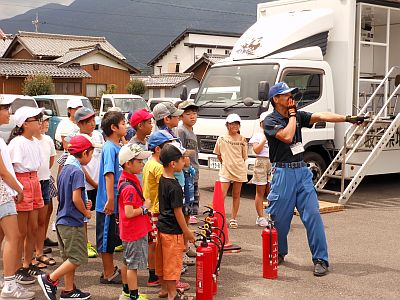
(131, 229)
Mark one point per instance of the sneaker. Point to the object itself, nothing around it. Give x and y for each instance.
(35, 271)
(53, 226)
(320, 268)
(124, 296)
(114, 279)
(1, 282)
(262, 222)
(18, 293)
(49, 288)
(92, 253)
(281, 259)
(188, 260)
(193, 220)
(119, 248)
(76, 294)
(153, 283)
(184, 269)
(22, 277)
(182, 285)
(49, 243)
(47, 250)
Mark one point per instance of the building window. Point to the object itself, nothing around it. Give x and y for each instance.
(177, 68)
(159, 69)
(227, 52)
(68, 88)
(209, 51)
(95, 90)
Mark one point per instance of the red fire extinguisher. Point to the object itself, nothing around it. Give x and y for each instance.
(204, 270)
(270, 250)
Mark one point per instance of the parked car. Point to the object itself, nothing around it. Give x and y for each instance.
(20, 100)
(154, 101)
(126, 102)
(56, 107)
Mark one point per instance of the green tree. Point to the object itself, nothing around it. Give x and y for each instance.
(38, 85)
(111, 89)
(136, 87)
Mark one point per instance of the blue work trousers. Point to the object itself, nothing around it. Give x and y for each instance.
(290, 188)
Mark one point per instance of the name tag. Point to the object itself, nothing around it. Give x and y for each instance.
(297, 148)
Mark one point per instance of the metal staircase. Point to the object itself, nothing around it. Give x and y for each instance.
(361, 138)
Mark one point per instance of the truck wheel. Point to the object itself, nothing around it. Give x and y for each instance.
(58, 145)
(316, 164)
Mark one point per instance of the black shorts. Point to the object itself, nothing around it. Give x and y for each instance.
(107, 237)
(45, 187)
(92, 197)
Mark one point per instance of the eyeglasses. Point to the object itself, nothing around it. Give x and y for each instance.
(40, 121)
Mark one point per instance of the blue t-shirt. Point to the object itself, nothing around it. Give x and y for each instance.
(108, 164)
(70, 179)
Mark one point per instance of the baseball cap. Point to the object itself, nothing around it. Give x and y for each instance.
(187, 104)
(140, 116)
(170, 152)
(160, 137)
(25, 112)
(130, 151)
(263, 116)
(80, 143)
(74, 103)
(165, 109)
(46, 117)
(281, 88)
(6, 99)
(83, 113)
(233, 118)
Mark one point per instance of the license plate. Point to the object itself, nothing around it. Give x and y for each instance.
(213, 163)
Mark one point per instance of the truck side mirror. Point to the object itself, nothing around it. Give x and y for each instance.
(184, 93)
(248, 101)
(263, 89)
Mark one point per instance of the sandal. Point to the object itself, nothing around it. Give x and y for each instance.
(180, 296)
(46, 260)
(233, 224)
(38, 264)
(162, 295)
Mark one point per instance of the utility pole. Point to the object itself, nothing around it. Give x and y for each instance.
(36, 23)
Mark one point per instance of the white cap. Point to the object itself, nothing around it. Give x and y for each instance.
(6, 99)
(263, 116)
(26, 112)
(233, 118)
(74, 103)
(130, 151)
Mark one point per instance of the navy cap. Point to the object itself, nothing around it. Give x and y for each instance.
(160, 137)
(83, 113)
(281, 88)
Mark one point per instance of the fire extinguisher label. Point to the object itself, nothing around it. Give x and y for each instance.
(199, 275)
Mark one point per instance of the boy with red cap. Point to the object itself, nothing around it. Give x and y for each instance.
(72, 209)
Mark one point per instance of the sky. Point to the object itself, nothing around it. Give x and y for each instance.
(11, 8)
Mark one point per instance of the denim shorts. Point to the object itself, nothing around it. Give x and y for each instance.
(45, 187)
(7, 209)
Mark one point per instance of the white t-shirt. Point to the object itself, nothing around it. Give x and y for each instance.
(93, 167)
(256, 139)
(25, 154)
(5, 155)
(47, 150)
(65, 128)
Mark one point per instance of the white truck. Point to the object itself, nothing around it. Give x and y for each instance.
(336, 51)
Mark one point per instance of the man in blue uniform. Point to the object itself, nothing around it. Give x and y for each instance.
(292, 184)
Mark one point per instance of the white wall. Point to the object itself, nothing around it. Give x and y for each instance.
(101, 60)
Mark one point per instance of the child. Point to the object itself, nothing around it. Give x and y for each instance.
(141, 122)
(189, 141)
(73, 207)
(167, 116)
(48, 153)
(85, 120)
(231, 150)
(113, 126)
(10, 193)
(152, 172)
(173, 232)
(134, 222)
(261, 171)
(26, 159)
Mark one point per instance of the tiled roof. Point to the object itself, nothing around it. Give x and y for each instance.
(74, 54)
(22, 67)
(170, 80)
(4, 45)
(56, 45)
(209, 59)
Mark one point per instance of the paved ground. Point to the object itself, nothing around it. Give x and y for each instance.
(364, 242)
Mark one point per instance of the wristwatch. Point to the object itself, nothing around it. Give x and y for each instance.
(144, 209)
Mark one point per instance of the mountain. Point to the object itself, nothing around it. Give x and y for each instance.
(138, 29)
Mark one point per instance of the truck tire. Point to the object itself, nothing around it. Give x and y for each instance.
(315, 163)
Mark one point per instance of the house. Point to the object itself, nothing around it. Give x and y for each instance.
(201, 66)
(5, 41)
(100, 64)
(168, 85)
(189, 47)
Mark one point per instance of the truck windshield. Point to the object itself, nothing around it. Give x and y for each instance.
(62, 106)
(130, 104)
(227, 85)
